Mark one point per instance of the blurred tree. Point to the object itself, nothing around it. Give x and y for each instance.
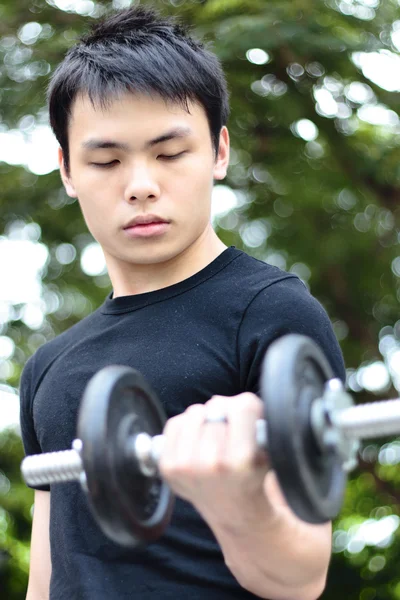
(15, 519)
(315, 171)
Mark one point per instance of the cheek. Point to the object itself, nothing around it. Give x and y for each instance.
(94, 188)
(192, 197)
(197, 182)
(95, 207)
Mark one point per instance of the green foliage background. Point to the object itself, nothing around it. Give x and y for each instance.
(326, 208)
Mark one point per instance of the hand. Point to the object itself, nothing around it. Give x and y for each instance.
(217, 466)
(219, 469)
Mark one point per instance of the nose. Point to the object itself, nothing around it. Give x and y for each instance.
(142, 185)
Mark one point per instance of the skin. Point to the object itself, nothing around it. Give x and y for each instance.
(142, 181)
(215, 466)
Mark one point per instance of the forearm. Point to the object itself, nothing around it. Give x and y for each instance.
(279, 562)
(273, 554)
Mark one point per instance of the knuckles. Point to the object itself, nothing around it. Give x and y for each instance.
(250, 403)
(207, 467)
(247, 402)
(209, 460)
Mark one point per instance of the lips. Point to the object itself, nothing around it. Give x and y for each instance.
(145, 220)
(146, 227)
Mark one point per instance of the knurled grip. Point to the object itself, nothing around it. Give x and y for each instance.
(52, 467)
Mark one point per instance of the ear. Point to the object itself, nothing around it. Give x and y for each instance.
(65, 177)
(222, 161)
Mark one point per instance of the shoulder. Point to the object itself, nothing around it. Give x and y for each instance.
(269, 298)
(266, 287)
(286, 298)
(256, 274)
(283, 306)
(42, 359)
(246, 278)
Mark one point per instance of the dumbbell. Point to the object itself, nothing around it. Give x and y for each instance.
(312, 433)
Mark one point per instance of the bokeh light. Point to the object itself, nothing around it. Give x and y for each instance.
(257, 56)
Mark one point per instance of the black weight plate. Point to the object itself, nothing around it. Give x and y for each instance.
(130, 508)
(293, 376)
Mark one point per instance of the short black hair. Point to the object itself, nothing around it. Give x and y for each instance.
(138, 50)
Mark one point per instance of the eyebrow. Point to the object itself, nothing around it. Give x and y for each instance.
(101, 144)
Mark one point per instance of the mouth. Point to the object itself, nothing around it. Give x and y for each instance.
(146, 226)
(145, 220)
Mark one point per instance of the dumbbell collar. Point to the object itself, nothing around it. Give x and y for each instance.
(324, 423)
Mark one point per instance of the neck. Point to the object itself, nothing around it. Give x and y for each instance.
(131, 278)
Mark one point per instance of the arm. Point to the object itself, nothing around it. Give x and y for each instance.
(218, 467)
(40, 563)
(271, 552)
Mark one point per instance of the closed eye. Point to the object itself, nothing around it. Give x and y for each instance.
(104, 165)
(113, 162)
(171, 156)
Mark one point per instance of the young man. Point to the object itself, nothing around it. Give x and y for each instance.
(140, 111)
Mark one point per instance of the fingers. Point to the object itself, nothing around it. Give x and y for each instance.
(242, 412)
(197, 451)
(181, 439)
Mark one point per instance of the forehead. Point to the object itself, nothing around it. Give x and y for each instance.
(128, 113)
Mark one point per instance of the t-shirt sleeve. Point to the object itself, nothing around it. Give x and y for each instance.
(283, 307)
(28, 434)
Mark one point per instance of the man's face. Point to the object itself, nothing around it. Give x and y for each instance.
(143, 158)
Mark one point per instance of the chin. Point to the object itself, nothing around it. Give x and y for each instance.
(152, 256)
(149, 252)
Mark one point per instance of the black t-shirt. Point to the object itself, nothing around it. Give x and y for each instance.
(204, 336)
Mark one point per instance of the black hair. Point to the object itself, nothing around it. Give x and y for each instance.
(138, 50)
